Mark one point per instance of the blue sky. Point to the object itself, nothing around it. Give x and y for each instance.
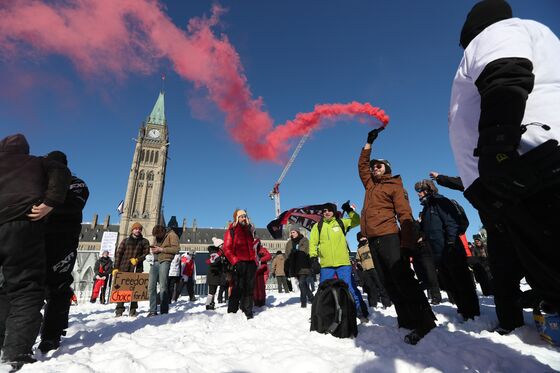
(398, 55)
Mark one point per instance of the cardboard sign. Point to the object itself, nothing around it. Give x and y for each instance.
(129, 287)
(109, 242)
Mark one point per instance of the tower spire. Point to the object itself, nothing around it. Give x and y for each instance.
(157, 116)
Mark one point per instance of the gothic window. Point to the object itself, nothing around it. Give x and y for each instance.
(150, 176)
(156, 160)
(141, 175)
(152, 156)
(142, 155)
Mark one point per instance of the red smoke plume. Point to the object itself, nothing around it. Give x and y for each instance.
(131, 36)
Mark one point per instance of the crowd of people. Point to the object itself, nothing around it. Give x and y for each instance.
(504, 131)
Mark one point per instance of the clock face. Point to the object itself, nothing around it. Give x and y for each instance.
(153, 133)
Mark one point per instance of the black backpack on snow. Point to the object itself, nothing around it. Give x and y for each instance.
(333, 310)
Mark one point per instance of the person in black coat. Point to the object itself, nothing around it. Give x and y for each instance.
(63, 227)
(440, 224)
(103, 267)
(30, 187)
(214, 275)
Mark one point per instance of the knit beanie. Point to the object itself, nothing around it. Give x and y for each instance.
(136, 225)
(58, 156)
(482, 15)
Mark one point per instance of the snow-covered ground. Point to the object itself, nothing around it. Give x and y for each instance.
(191, 339)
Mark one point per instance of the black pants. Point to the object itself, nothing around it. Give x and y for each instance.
(243, 286)
(179, 289)
(374, 288)
(456, 278)
(482, 274)
(305, 292)
(282, 283)
(22, 291)
(413, 309)
(425, 268)
(61, 251)
(507, 271)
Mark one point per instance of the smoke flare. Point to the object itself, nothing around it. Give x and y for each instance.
(131, 36)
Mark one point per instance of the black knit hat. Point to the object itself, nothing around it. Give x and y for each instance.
(58, 156)
(330, 207)
(482, 15)
(359, 236)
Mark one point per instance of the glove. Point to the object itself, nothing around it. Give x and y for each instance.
(133, 261)
(372, 135)
(346, 207)
(315, 265)
(115, 272)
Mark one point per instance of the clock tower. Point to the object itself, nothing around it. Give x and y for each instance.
(144, 193)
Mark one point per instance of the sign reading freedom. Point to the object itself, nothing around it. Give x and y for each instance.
(129, 287)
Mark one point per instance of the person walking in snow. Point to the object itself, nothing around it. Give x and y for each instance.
(385, 203)
(103, 267)
(440, 222)
(164, 249)
(214, 276)
(327, 242)
(371, 281)
(299, 264)
(261, 275)
(240, 251)
(30, 187)
(504, 130)
(62, 233)
(129, 257)
(188, 275)
(279, 272)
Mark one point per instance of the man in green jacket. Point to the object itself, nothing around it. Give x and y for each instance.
(329, 244)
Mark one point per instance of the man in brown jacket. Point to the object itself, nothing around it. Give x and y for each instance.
(385, 202)
(166, 245)
(129, 257)
(279, 271)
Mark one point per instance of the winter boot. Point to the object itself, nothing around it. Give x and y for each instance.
(417, 334)
(18, 361)
(132, 312)
(211, 306)
(47, 345)
(435, 296)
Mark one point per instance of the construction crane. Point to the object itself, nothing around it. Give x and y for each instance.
(275, 193)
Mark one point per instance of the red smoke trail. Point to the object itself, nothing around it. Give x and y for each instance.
(131, 36)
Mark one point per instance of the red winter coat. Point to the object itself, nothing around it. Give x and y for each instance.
(241, 246)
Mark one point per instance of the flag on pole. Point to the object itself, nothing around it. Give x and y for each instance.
(120, 207)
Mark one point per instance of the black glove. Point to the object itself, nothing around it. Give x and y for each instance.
(315, 265)
(346, 207)
(372, 135)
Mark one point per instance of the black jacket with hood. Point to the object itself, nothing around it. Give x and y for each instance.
(26, 180)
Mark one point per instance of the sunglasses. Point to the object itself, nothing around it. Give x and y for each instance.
(378, 165)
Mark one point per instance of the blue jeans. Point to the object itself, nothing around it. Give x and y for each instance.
(344, 273)
(159, 273)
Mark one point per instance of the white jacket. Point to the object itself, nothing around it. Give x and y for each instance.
(512, 37)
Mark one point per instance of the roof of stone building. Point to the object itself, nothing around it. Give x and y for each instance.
(188, 236)
(90, 234)
(204, 235)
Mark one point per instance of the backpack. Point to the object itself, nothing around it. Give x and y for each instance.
(333, 310)
(463, 219)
